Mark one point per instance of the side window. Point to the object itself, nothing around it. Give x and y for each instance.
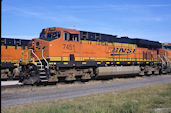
(58, 34)
(66, 36)
(75, 37)
(71, 37)
(37, 43)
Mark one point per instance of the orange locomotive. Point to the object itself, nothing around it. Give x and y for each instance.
(12, 52)
(68, 54)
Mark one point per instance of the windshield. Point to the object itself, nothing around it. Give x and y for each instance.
(50, 36)
(42, 36)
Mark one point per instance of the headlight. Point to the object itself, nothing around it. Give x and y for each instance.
(31, 60)
(20, 60)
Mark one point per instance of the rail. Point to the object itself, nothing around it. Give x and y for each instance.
(45, 59)
(163, 62)
(37, 58)
(165, 56)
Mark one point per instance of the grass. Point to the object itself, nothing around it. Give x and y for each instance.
(138, 100)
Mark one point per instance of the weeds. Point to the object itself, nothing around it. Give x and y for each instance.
(139, 100)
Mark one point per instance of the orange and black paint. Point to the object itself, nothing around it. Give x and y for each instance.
(82, 48)
(13, 50)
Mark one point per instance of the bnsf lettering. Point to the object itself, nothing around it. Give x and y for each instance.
(123, 50)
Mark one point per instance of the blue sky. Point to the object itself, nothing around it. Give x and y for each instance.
(147, 19)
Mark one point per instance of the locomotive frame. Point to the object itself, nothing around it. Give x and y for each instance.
(69, 54)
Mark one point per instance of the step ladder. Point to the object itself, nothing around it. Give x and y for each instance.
(43, 75)
(42, 69)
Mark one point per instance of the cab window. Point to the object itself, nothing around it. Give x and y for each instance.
(42, 36)
(50, 36)
(53, 35)
(71, 37)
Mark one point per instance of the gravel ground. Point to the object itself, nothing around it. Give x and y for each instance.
(9, 98)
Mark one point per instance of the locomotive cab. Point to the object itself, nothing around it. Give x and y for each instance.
(54, 33)
(55, 42)
(55, 46)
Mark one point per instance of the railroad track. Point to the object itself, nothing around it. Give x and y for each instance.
(29, 95)
(15, 84)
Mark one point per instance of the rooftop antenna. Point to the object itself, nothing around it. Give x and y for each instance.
(73, 26)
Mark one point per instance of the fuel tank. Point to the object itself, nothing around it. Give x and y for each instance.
(117, 70)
